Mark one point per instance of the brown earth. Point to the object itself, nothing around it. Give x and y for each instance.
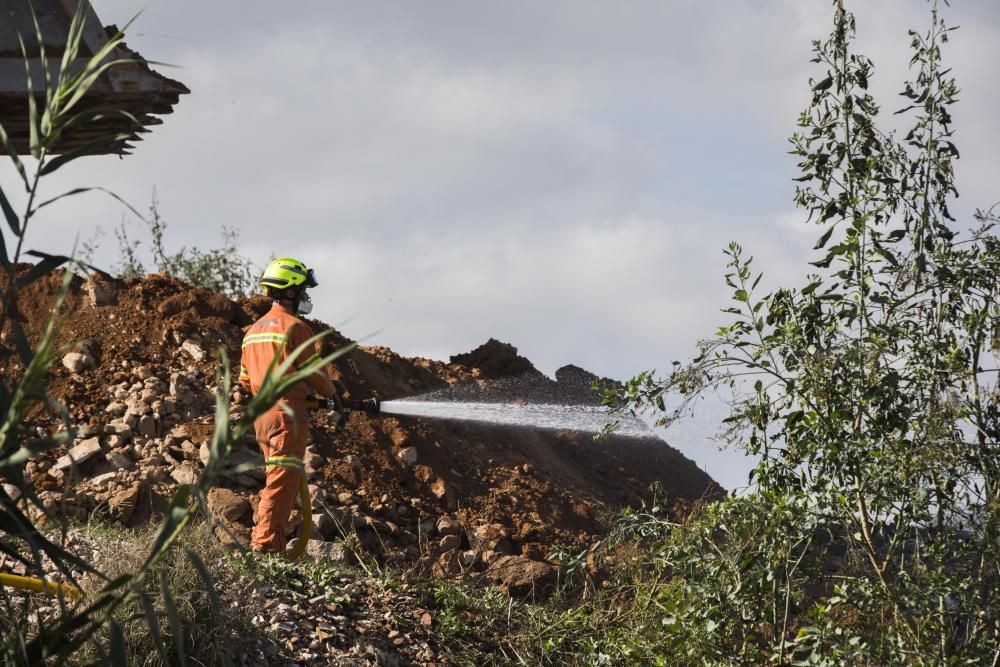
(475, 493)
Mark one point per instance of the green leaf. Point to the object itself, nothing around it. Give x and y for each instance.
(825, 237)
(8, 212)
(91, 147)
(176, 627)
(824, 84)
(153, 623)
(177, 516)
(811, 287)
(15, 158)
(206, 580)
(117, 644)
(4, 257)
(78, 191)
(47, 265)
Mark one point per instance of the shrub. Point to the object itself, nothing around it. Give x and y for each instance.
(871, 536)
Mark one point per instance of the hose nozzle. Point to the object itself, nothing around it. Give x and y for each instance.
(369, 405)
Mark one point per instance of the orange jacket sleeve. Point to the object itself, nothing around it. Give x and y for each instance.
(309, 358)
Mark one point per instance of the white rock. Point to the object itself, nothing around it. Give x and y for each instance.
(120, 428)
(408, 456)
(312, 459)
(120, 461)
(77, 362)
(192, 348)
(184, 474)
(448, 526)
(84, 451)
(101, 294)
(12, 491)
(204, 453)
(101, 480)
(334, 552)
(116, 408)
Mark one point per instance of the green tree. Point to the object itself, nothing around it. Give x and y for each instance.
(869, 395)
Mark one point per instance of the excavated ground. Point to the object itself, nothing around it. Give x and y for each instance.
(450, 497)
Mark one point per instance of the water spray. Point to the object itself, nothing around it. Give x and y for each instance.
(554, 416)
(587, 418)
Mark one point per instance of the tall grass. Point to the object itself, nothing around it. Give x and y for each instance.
(135, 589)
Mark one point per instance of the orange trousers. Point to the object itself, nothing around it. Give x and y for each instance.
(278, 435)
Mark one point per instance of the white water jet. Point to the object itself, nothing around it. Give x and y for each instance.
(586, 418)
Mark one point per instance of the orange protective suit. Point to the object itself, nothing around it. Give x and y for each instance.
(281, 436)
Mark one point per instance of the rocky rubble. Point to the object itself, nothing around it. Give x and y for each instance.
(476, 502)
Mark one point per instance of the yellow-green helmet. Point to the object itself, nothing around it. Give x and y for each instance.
(287, 272)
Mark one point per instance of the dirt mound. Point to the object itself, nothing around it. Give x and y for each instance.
(454, 496)
(493, 360)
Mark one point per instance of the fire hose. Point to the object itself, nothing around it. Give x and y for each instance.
(40, 586)
(341, 407)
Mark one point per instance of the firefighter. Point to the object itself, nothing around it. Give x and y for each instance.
(282, 431)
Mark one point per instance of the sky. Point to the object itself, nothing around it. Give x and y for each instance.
(559, 175)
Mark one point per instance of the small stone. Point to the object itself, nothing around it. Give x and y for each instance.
(120, 461)
(449, 542)
(123, 503)
(324, 523)
(101, 480)
(312, 459)
(467, 558)
(345, 498)
(447, 565)
(522, 577)
(491, 537)
(77, 362)
(101, 293)
(147, 426)
(119, 427)
(227, 504)
(12, 491)
(448, 526)
(84, 451)
(195, 350)
(353, 461)
(116, 409)
(204, 453)
(184, 474)
(334, 552)
(408, 456)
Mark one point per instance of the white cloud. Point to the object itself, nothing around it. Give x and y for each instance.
(562, 175)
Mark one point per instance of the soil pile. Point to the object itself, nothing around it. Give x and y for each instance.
(451, 497)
